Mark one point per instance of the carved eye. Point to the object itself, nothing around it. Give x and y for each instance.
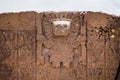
(65, 26)
(58, 26)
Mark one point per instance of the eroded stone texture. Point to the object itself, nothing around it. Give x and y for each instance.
(58, 46)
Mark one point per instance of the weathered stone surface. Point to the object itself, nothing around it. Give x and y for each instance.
(35, 47)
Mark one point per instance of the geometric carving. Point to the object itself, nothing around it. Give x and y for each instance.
(26, 55)
(15, 46)
(8, 57)
(7, 39)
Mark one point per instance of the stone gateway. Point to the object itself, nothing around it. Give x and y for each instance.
(59, 46)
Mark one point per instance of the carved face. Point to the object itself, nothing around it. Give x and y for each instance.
(61, 27)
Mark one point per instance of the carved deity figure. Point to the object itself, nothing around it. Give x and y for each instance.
(60, 50)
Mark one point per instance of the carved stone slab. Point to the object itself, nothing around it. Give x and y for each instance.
(58, 46)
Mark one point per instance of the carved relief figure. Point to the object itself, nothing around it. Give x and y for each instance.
(60, 51)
